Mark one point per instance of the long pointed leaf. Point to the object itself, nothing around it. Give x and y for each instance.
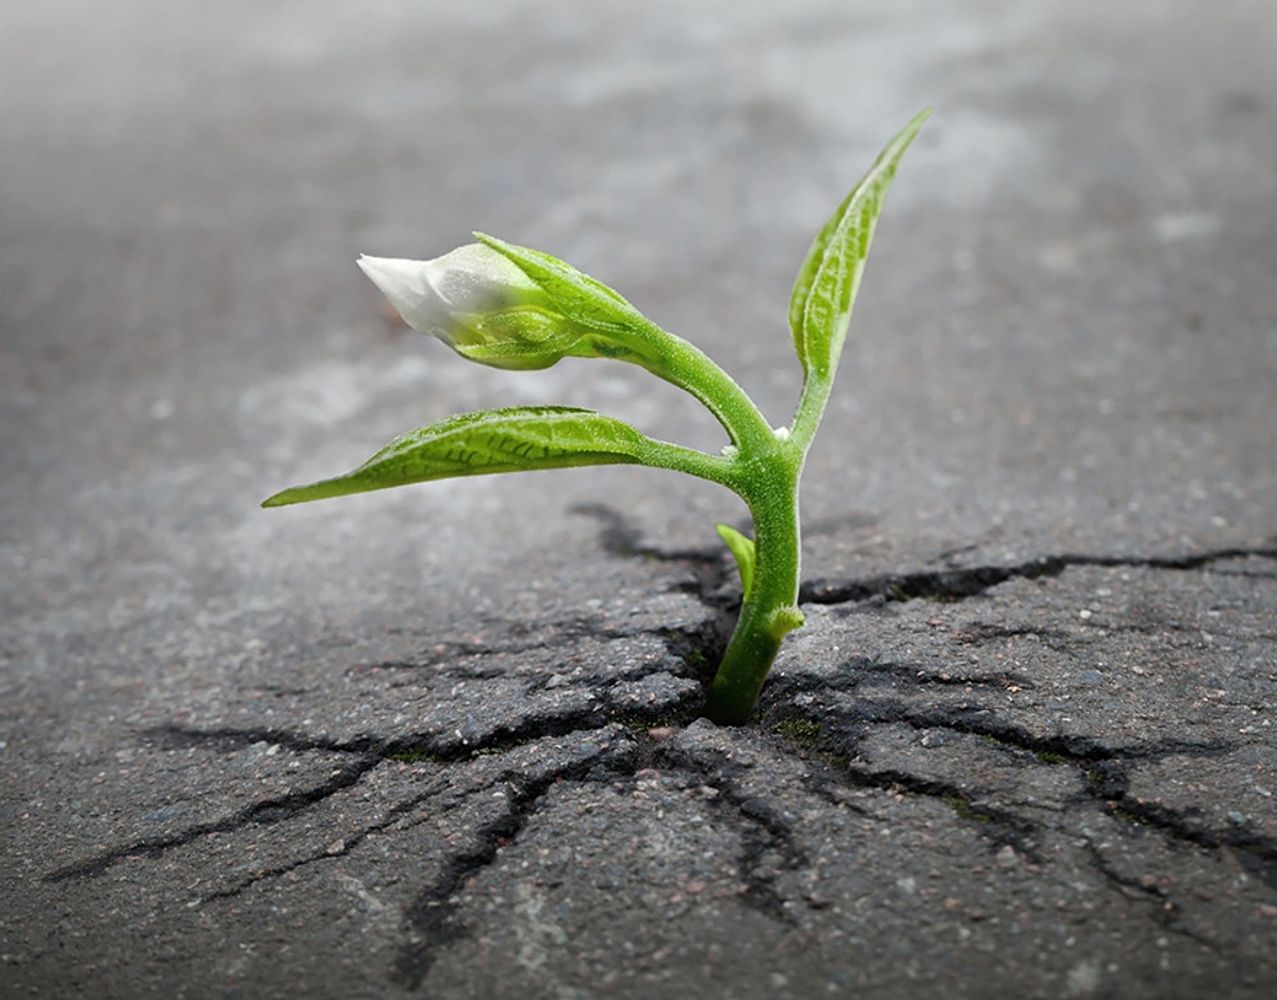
(490, 441)
(825, 290)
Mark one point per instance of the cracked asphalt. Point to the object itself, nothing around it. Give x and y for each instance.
(447, 741)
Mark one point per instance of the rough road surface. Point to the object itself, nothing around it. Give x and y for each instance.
(446, 742)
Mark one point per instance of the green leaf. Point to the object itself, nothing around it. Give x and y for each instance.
(825, 290)
(743, 549)
(471, 444)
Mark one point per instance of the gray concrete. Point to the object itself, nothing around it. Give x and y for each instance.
(445, 741)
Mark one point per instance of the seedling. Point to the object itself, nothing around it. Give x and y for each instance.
(511, 307)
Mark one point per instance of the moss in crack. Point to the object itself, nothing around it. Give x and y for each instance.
(803, 732)
(809, 740)
(963, 807)
(1049, 757)
(641, 722)
(1128, 815)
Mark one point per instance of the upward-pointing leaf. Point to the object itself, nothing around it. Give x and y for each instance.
(825, 290)
(472, 444)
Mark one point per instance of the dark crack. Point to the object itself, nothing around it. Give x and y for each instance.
(974, 720)
(348, 844)
(713, 570)
(1111, 786)
(837, 765)
(261, 813)
(971, 581)
(1105, 778)
(764, 834)
(367, 752)
(1166, 909)
(432, 920)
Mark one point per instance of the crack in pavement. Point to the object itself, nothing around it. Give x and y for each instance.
(349, 843)
(999, 826)
(976, 720)
(769, 844)
(971, 581)
(763, 832)
(261, 813)
(1106, 780)
(431, 921)
(1111, 786)
(1167, 911)
(367, 752)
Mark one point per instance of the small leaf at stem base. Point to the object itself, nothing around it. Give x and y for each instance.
(743, 549)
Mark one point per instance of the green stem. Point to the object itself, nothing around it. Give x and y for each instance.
(811, 407)
(682, 363)
(770, 608)
(665, 455)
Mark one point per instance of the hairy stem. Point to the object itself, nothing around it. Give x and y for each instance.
(770, 609)
(685, 365)
(811, 407)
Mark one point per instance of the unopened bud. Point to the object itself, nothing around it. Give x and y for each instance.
(479, 303)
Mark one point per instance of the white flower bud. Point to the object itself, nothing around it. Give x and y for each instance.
(479, 303)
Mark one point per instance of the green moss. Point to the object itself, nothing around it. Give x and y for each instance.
(966, 810)
(696, 659)
(799, 730)
(1049, 757)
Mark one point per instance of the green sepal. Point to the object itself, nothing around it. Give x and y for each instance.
(520, 338)
(825, 289)
(742, 548)
(575, 294)
(470, 444)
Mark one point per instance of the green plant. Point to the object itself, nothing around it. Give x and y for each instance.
(511, 307)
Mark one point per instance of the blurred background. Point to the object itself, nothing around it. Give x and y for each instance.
(1066, 338)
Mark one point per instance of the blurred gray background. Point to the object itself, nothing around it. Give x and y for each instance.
(1067, 329)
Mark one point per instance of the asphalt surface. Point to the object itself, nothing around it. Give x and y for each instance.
(446, 741)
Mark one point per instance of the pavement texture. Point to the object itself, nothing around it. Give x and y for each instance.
(446, 741)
